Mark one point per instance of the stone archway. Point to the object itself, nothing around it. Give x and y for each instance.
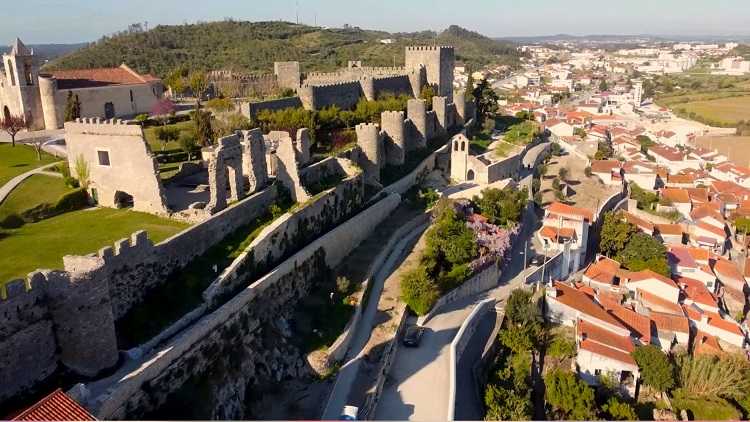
(470, 175)
(6, 113)
(123, 200)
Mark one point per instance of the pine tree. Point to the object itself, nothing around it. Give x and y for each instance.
(72, 107)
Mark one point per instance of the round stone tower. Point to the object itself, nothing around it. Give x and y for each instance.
(371, 143)
(395, 131)
(48, 94)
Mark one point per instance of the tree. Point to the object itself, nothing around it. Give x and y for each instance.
(587, 171)
(203, 129)
(603, 85)
(469, 85)
(656, 369)
(167, 134)
(162, 110)
(569, 396)
(198, 84)
(502, 207)
(742, 224)
(561, 348)
(188, 144)
(72, 107)
(504, 404)
(486, 100)
(619, 410)
(711, 376)
(451, 239)
(37, 144)
(419, 291)
(615, 234)
(563, 173)
(644, 252)
(579, 131)
(428, 91)
(520, 309)
(11, 125)
(82, 171)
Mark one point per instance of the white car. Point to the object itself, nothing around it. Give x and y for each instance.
(349, 413)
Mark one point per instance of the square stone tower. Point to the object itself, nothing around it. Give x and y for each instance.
(439, 62)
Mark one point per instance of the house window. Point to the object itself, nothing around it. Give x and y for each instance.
(131, 95)
(27, 73)
(597, 372)
(103, 158)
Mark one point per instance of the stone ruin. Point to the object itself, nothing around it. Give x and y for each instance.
(225, 167)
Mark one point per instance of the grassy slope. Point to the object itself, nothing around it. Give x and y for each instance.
(727, 110)
(254, 46)
(19, 159)
(43, 244)
(37, 189)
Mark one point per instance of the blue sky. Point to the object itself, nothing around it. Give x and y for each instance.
(63, 21)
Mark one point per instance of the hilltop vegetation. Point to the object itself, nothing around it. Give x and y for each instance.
(254, 46)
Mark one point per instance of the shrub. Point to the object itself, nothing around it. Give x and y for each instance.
(12, 221)
(343, 285)
(220, 104)
(587, 171)
(561, 348)
(141, 118)
(72, 201)
(618, 410)
(419, 291)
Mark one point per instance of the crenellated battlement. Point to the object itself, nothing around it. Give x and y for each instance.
(429, 48)
(392, 115)
(98, 126)
(331, 84)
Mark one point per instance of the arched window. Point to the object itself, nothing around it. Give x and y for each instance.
(12, 75)
(6, 113)
(455, 146)
(463, 146)
(470, 175)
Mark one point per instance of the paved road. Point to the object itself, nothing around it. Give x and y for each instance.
(6, 189)
(417, 388)
(348, 373)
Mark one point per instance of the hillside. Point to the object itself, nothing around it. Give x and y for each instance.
(254, 46)
(45, 52)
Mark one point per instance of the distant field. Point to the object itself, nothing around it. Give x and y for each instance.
(737, 148)
(725, 110)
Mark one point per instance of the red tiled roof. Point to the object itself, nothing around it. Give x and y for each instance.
(667, 153)
(559, 208)
(715, 320)
(669, 322)
(706, 344)
(704, 211)
(57, 406)
(669, 229)
(647, 274)
(676, 195)
(607, 352)
(696, 291)
(712, 229)
(638, 222)
(604, 166)
(89, 78)
(578, 300)
(728, 268)
(658, 304)
(638, 324)
(552, 233)
(589, 331)
(603, 271)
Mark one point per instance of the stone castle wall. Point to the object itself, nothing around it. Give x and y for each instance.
(231, 349)
(251, 109)
(344, 95)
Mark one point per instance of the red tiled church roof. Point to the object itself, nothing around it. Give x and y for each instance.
(57, 406)
(91, 78)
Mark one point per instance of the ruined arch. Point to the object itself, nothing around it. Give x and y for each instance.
(123, 200)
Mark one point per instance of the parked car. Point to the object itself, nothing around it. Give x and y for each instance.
(349, 413)
(413, 336)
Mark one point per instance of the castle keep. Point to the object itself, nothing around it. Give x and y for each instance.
(41, 96)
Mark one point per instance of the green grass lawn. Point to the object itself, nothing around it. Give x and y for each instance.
(43, 244)
(503, 149)
(156, 145)
(36, 190)
(20, 159)
(705, 409)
